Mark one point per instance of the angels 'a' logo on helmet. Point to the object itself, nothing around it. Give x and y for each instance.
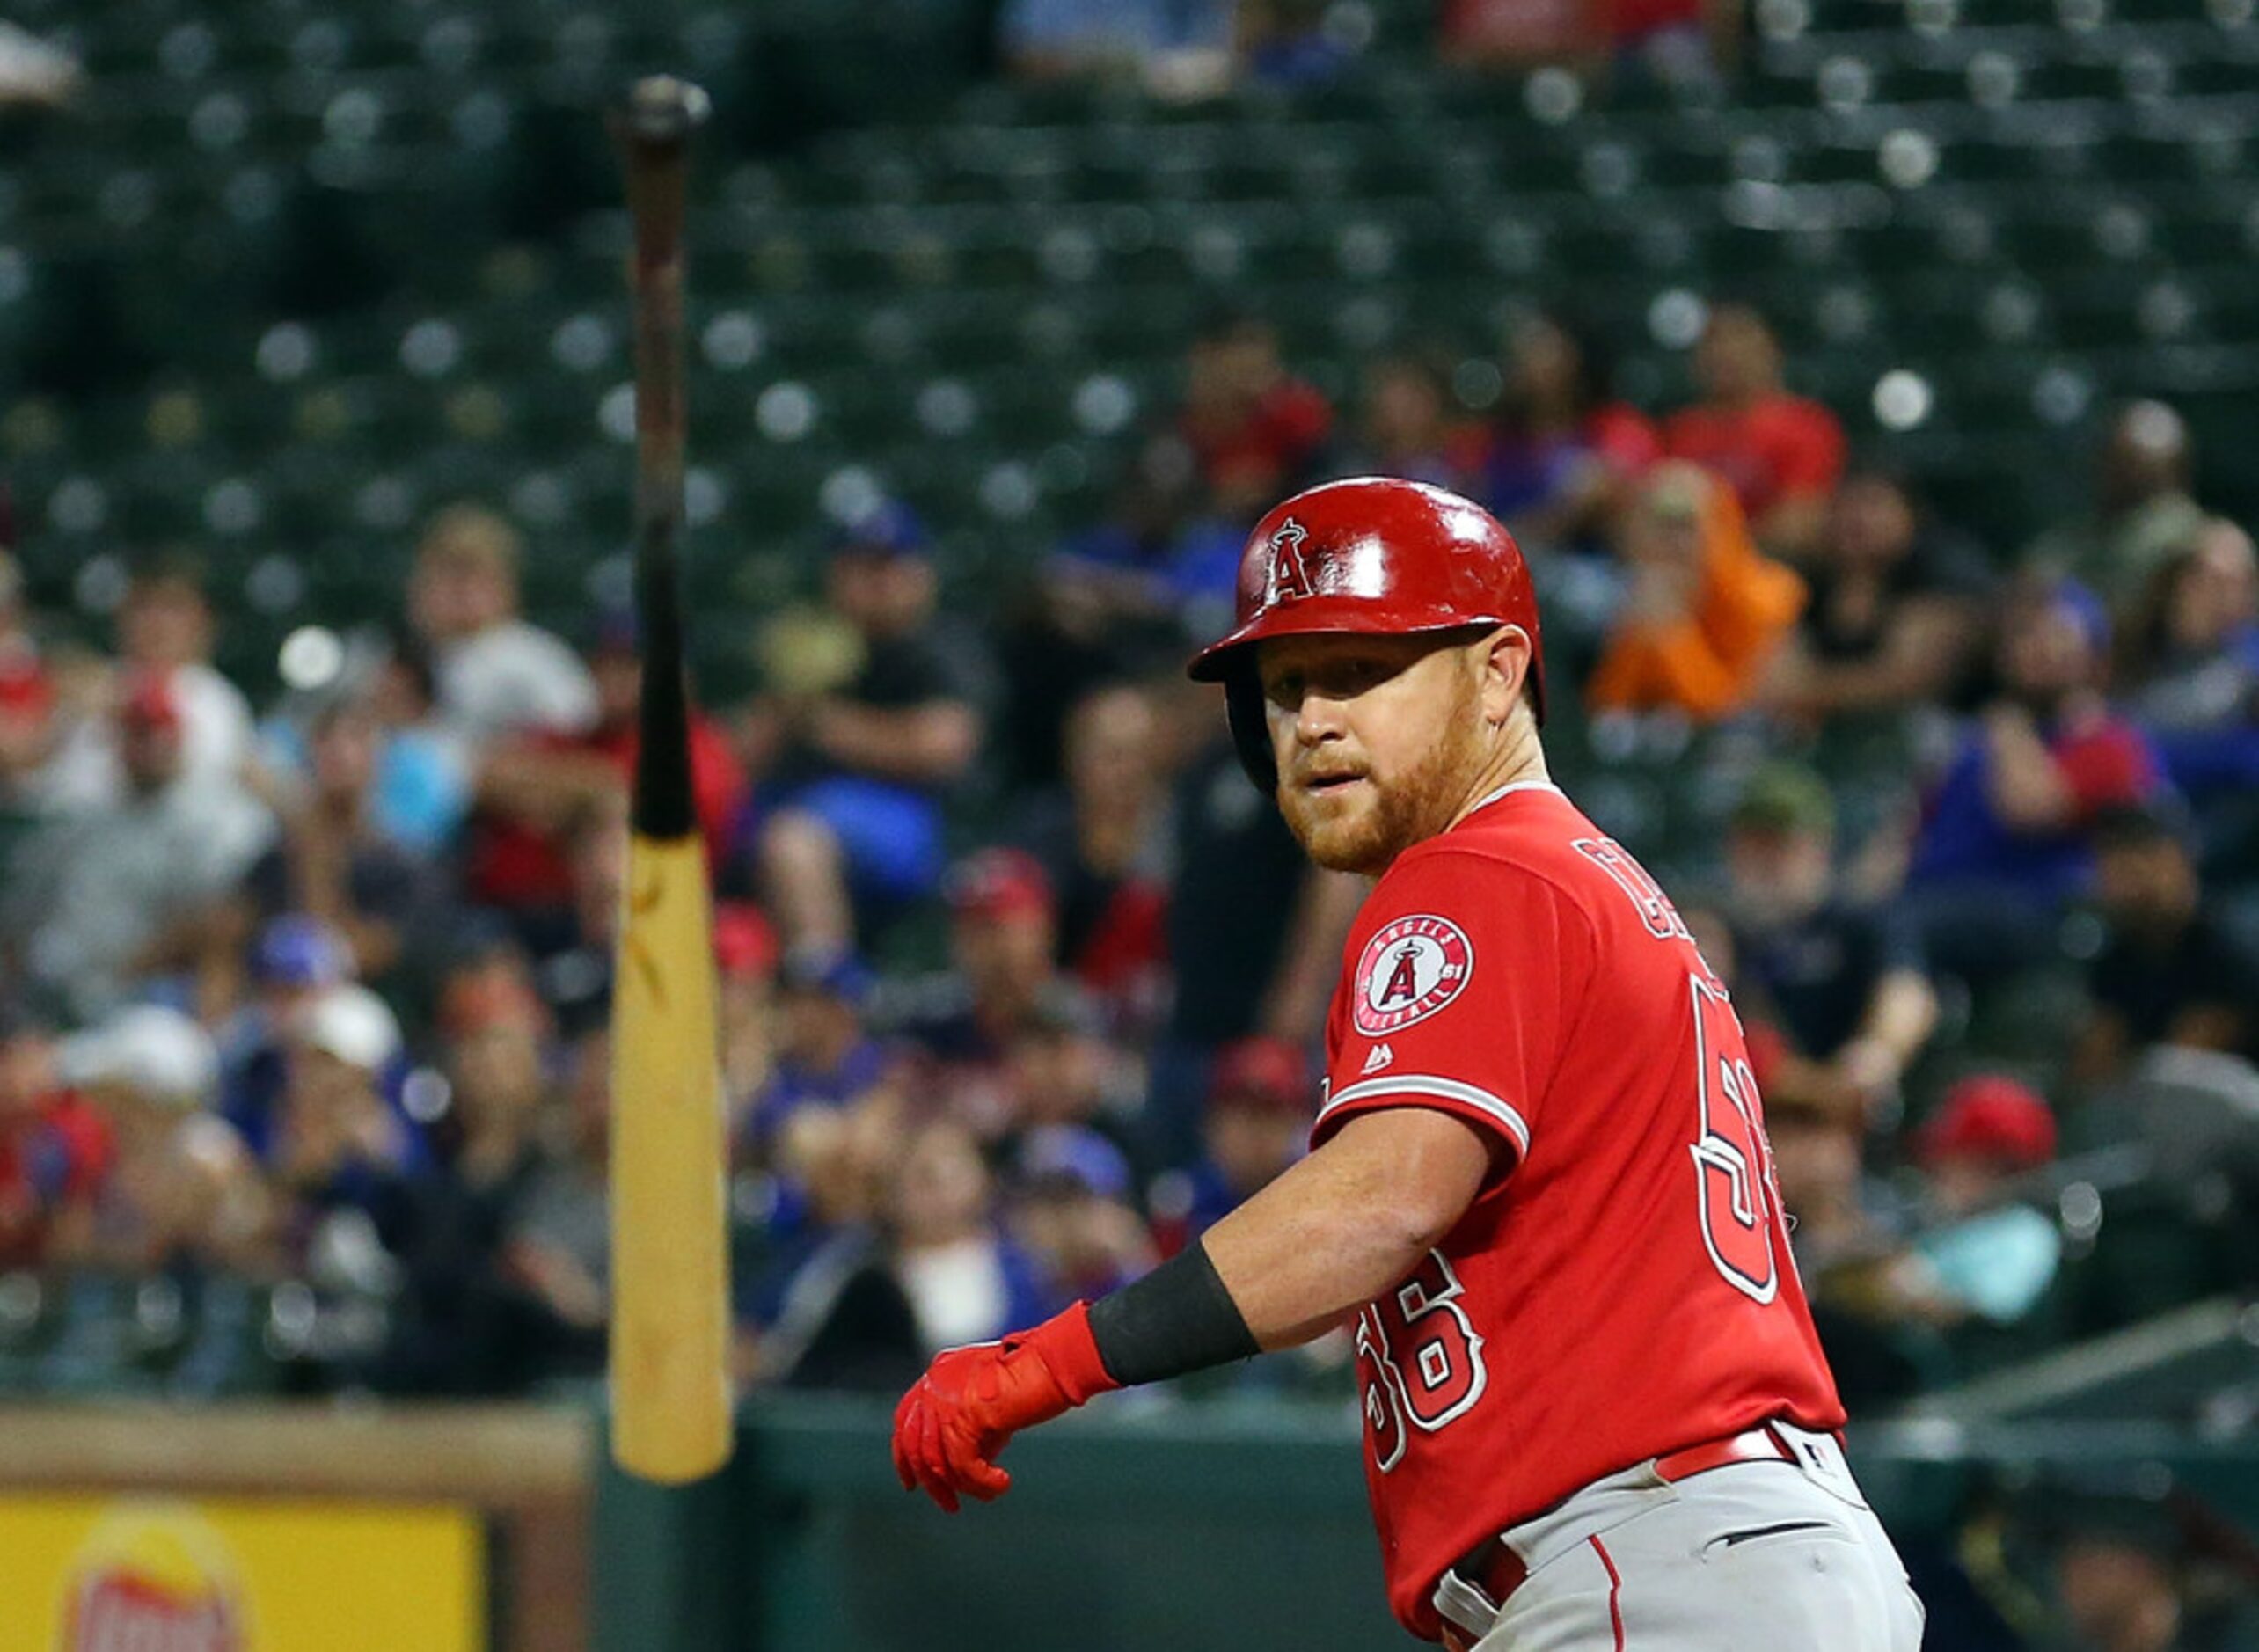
(1288, 577)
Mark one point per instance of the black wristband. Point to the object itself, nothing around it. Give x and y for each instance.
(1179, 1317)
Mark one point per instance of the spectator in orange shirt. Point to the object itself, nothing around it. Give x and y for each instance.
(1705, 612)
(1782, 454)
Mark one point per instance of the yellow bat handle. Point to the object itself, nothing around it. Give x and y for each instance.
(670, 1268)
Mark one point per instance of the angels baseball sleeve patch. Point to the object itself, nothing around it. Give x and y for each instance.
(1410, 970)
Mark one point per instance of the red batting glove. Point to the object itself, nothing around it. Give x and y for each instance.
(956, 1418)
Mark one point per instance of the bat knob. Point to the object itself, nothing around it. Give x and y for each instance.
(661, 109)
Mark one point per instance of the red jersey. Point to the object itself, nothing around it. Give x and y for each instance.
(1773, 449)
(56, 1155)
(1622, 1287)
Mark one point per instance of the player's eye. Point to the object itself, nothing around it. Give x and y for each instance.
(1354, 676)
(1284, 691)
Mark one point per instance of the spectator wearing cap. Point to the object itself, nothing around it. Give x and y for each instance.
(1257, 432)
(1990, 1254)
(2172, 970)
(1003, 945)
(2004, 839)
(1704, 614)
(1897, 613)
(858, 773)
(334, 860)
(57, 1148)
(184, 1190)
(2142, 510)
(165, 635)
(745, 1002)
(1780, 454)
(101, 899)
(1103, 839)
(1071, 1209)
(1260, 1102)
(1846, 984)
(497, 675)
(295, 960)
(825, 1058)
(339, 1145)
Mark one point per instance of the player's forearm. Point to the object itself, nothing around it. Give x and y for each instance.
(1296, 1279)
(1347, 1223)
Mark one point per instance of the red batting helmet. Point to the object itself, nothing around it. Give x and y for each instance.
(1376, 554)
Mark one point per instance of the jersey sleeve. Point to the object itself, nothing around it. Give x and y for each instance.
(1462, 975)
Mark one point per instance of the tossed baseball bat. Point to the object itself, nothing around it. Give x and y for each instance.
(670, 1284)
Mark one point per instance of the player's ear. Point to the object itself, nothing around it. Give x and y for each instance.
(1505, 666)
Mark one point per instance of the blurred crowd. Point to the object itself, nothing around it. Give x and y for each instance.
(1192, 49)
(1020, 981)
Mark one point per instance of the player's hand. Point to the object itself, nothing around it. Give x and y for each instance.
(955, 1419)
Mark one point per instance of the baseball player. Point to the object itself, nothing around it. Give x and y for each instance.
(1596, 1413)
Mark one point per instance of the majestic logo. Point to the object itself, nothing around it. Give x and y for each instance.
(1381, 1055)
(1289, 578)
(154, 1578)
(1413, 967)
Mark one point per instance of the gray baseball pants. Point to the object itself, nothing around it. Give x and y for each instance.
(1753, 1557)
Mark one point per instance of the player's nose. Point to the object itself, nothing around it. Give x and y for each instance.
(1319, 717)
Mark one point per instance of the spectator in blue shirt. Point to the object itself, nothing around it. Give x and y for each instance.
(824, 1057)
(858, 773)
(1260, 1101)
(2005, 841)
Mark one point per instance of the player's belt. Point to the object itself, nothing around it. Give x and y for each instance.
(1760, 1444)
(1492, 1567)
